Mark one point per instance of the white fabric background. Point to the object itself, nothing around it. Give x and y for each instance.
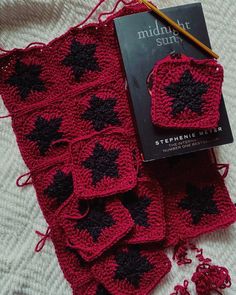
(23, 272)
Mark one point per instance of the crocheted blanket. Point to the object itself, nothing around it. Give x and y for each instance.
(22, 216)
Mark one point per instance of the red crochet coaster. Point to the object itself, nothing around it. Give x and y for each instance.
(75, 270)
(43, 132)
(131, 270)
(94, 226)
(99, 109)
(145, 205)
(103, 166)
(196, 202)
(186, 92)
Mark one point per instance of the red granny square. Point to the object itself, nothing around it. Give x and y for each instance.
(103, 165)
(145, 205)
(43, 133)
(131, 270)
(186, 92)
(94, 226)
(75, 270)
(196, 202)
(103, 109)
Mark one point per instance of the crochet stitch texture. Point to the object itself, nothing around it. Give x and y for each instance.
(114, 206)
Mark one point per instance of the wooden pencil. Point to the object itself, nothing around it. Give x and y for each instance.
(179, 28)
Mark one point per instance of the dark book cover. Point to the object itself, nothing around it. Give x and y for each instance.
(144, 39)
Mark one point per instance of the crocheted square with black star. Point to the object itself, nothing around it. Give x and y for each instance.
(101, 113)
(102, 163)
(131, 265)
(45, 133)
(199, 202)
(81, 59)
(96, 220)
(186, 93)
(27, 79)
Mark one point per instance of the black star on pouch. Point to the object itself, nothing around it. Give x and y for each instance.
(131, 266)
(61, 187)
(199, 202)
(101, 113)
(96, 220)
(81, 59)
(45, 132)
(137, 207)
(102, 163)
(187, 94)
(101, 290)
(26, 79)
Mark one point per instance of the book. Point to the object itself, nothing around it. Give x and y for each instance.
(144, 39)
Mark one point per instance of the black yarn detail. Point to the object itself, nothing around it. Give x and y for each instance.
(102, 163)
(81, 59)
(199, 202)
(96, 220)
(61, 187)
(187, 94)
(137, 207)
(101, 290)
(80, 260)
(131, 266)
(101, 113)
(45, 132)
(26, 79)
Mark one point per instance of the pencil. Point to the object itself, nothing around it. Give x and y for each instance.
(179, 28)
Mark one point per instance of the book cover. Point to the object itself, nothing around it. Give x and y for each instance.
(144, 39)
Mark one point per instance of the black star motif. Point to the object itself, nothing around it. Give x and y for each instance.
(187, 94)
(131, 266)
(101, 290)
(137, 207)
(199, 202)
(26, 79)
(101, 113)
(102, 163)
(96, 220)
(61, 187)
(45, 132)
(81, 59)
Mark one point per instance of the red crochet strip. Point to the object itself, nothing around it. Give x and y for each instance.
(186, 93)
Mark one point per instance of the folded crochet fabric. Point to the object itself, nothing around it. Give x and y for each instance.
(109, 214)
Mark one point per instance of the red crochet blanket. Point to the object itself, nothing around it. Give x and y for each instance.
(110, 215)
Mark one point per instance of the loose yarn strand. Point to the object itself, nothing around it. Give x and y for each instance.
(90, 14)
(40, 245)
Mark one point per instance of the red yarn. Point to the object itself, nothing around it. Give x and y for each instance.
(186, 92)
(210, 278)
(42, 242)
(181, 290)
